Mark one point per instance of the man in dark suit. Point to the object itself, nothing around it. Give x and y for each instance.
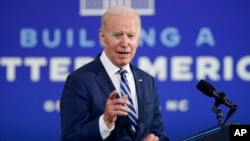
(93, 106)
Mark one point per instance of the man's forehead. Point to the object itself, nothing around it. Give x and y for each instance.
(124, 30)
(119, 26)
(116, 18)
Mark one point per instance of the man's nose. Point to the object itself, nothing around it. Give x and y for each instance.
(124, 40)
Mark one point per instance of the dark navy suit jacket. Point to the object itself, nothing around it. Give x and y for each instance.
(84, 98)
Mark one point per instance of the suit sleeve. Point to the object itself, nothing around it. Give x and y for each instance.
(74, 111)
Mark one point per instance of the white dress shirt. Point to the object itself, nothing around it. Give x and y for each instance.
(116, 79)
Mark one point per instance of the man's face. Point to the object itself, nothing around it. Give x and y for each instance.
(120, 38)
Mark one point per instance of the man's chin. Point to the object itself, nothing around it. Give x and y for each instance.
(123, 63)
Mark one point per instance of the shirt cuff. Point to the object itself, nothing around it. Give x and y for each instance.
(104, 130)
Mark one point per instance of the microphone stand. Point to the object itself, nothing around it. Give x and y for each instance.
(219, 114)
(219, 117)
(230, 113)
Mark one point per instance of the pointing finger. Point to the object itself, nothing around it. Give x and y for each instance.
(112, 95)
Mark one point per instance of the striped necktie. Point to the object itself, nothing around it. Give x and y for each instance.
(125, 90)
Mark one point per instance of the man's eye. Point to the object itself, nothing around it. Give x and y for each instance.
(131, 36)
(117, 35)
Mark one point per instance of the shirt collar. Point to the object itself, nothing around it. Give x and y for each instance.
(109, 66)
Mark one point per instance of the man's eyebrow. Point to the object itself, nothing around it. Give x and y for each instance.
(121, 32)
(116, 32)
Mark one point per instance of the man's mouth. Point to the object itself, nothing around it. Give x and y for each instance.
(123, 53)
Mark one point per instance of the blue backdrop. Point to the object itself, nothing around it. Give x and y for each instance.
(182, 42)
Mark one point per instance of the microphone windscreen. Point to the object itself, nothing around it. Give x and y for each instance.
(205, 88)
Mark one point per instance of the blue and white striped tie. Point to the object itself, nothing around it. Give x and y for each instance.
(125, 90)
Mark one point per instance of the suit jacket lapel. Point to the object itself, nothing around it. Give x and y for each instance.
(102, 77)
(140, 90)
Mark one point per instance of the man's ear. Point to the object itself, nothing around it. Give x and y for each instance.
(101, 36)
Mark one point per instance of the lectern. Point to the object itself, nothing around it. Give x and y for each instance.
(217, 133)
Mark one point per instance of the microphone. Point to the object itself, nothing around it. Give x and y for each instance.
(210, 91)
